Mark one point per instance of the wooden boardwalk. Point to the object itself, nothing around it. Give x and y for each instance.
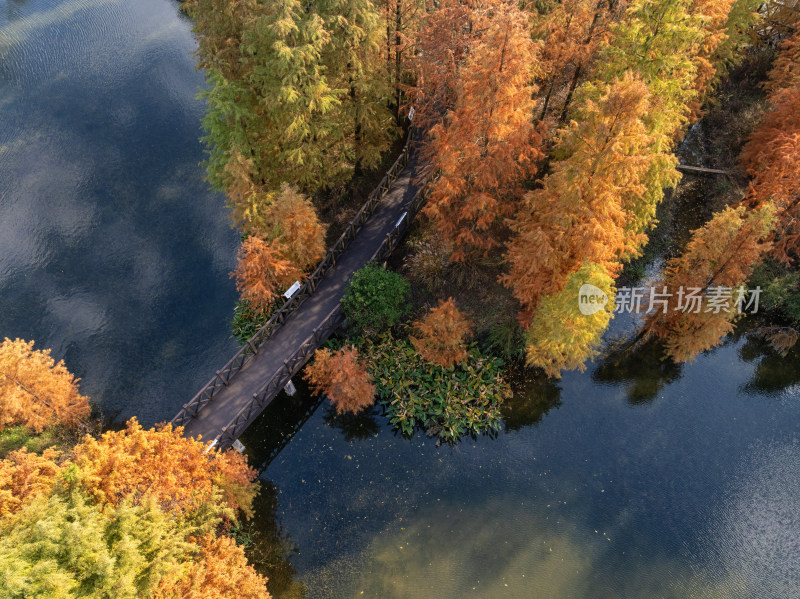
(250, 381)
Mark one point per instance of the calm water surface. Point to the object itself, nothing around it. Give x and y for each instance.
(112, 250)
(634, 479)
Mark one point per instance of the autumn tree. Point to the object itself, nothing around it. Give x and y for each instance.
(715, 14)
(442, 45)
(561, 337)
(403, 19)
(571, 32)
(261, 270)
(584, 208)
(218, 27)
(276, 117)
(771, 155)
(717, 261)
(220, 571)
(487, 144)
(136, 465)
(292, 221)
(785, 70)
(441, 334)
(341, 377)
(35, 391)
(24, 476)
(354, 64)
(63, 546)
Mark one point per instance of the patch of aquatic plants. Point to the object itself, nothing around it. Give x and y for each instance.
(450, 402)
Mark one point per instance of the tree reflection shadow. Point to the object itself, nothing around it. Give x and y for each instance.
(354, 426)
(268, 547)
(534, 396)
(643, 370)
(773, 373)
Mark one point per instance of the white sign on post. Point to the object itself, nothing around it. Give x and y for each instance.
(411, 114)
(291, 291)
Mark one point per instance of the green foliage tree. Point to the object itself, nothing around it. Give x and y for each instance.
(277, 116)
(375, 300)
(354, 65)
(62, 547)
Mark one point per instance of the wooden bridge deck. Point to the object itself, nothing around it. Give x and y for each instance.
(303, 323)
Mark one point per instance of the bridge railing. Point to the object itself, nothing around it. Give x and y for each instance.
(278, 380)
(332, 321)
(223, 376)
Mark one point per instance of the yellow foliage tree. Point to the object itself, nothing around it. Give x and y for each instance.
(220, 571)
(442, 334)
(24, 476)
(136, 464)
(35, 391)
(584, 209)
(561, 337)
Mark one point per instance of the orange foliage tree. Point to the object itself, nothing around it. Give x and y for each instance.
(571, 32)
(442, 334)
(262, 270)
(715, 14)
(35, 391)
(220, 571)
(135, 464)
(786, 68)
(341, 377)
(25, 475)
(487, 143)
(293, 222)
(582, 211)
(772, 153)
(717, 261)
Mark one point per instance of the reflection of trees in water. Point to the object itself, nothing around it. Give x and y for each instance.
(278, 424)
(773, 373)
(269, 547)
(354, 426)
(534, 396)
(643, 369)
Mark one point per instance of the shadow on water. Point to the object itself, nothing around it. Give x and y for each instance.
(269, 547)
(773, 373)
(354, 427)
(643, 370)
(534, 396)
(278, 424)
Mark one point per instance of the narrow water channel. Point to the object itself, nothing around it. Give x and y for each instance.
(634, 479)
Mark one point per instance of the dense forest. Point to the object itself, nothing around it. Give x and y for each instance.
(548, 134)
(548, 137)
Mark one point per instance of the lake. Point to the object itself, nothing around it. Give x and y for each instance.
(635, 479)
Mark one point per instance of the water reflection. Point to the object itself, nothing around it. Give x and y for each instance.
(534, 396)
(354, 426)
(642, 369)
(112, 250)
(773, 373)
(269, 547)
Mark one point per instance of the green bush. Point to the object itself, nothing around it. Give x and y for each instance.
(246, 320)
(448, 402)
(375, 300)
(780, 288)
